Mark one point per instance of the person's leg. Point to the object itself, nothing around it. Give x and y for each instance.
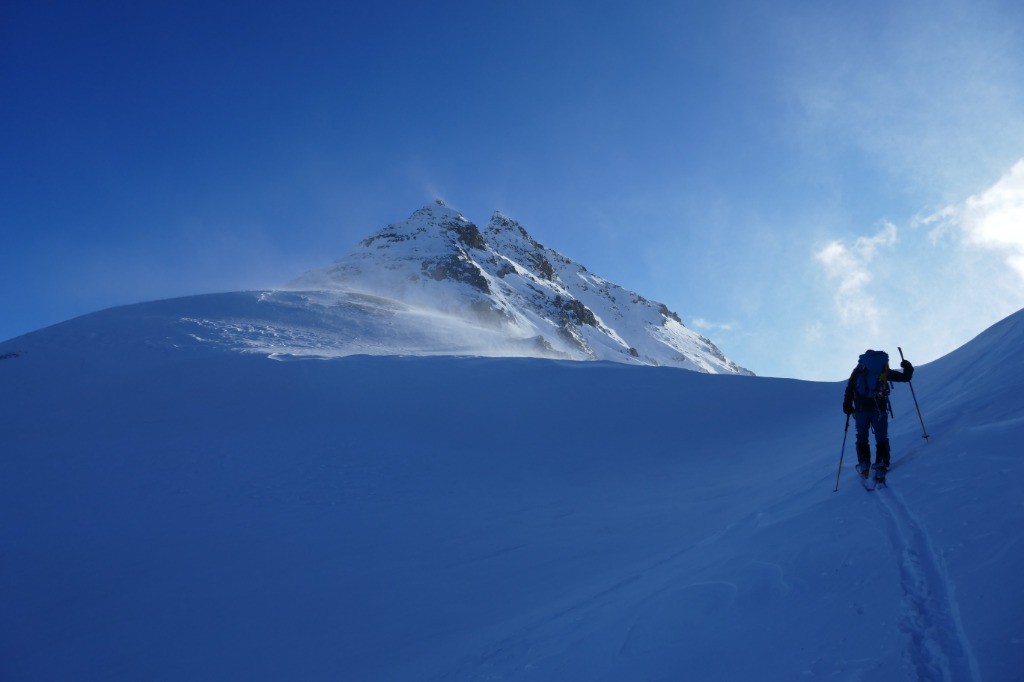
(863, 446)
(880, 423)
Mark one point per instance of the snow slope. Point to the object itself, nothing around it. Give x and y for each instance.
(175, 509)
(310, 324)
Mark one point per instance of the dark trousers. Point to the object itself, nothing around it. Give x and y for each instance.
(878, 421)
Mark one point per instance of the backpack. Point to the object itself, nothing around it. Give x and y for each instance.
(873, 376)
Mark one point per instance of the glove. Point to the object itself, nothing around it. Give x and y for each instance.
(905, 364)
(847, 408)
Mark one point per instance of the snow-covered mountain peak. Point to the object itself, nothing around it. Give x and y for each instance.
(435, 222)
(433, 284)
(504, 278)
(502, 224)
(508, 237)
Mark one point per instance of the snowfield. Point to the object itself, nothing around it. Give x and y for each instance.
(186, 495)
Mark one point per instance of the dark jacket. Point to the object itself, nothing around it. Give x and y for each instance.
(863, 403)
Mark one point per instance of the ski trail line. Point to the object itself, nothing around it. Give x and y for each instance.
(939, 649)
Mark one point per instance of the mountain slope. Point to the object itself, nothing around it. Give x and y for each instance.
(174, 510)
(432, 285)
(313, 324)
(503, 278)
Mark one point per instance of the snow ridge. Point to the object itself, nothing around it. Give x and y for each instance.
(502, 278)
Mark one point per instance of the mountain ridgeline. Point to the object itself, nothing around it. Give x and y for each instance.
(434, 284)
(500, 278)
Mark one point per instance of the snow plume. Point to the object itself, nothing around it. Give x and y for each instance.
(850, 267)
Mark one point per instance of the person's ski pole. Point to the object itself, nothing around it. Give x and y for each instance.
(923, 429)
(841, 452)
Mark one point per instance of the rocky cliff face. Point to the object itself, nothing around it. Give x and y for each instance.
(501, 277)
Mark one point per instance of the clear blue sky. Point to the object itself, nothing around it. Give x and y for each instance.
(798, 180)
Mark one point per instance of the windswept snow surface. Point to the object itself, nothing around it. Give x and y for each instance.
(174, 509)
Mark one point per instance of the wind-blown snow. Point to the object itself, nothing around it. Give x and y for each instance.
(175, 509)
(503, 279)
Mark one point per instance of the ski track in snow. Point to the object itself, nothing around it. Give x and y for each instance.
(939, 650)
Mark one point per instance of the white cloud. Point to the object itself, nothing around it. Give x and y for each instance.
(850, 268)
(994, 219)
(929, 286)
(709, 326)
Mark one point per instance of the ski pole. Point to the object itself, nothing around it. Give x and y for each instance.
(841, 452)
(923, 429)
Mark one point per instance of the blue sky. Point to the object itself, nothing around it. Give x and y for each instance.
(800, 181)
